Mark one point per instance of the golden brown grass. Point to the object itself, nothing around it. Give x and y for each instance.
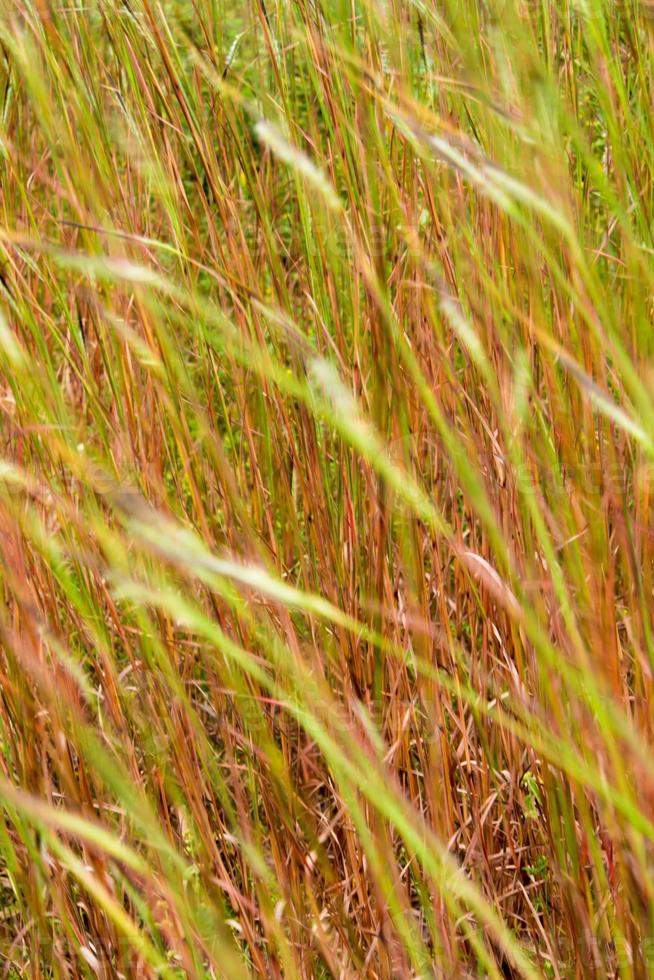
(325, 492)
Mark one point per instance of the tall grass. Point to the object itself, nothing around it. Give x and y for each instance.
(326, 517)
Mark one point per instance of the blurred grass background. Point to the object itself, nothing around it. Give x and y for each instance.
(326, 371)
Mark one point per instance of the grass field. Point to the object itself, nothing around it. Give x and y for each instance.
(326, 489)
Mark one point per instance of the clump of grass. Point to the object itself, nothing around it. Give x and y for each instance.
(326, 638)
